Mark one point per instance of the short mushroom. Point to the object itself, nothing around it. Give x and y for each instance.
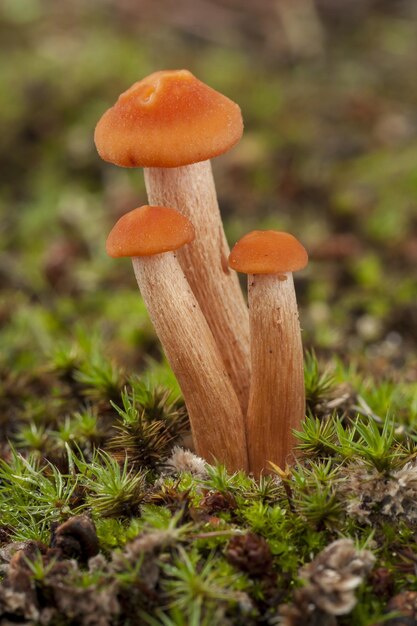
(277, 396)
(151, 234)
(171, 124)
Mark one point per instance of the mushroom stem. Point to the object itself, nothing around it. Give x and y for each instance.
(277, 396)
(191, 190)
(215, 414)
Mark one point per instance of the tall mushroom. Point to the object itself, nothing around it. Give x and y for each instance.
(277, 397)
(171, 124)
(150, 234)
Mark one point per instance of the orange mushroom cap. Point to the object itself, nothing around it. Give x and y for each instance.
(149, 230)
(268, 252)
(168, 119)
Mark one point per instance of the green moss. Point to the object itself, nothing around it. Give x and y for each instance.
(329, 151)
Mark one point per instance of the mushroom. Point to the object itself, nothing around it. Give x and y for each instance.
(277, 396)
(151, 234)
(171, 124)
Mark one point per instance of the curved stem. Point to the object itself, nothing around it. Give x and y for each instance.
(191, 190)
(216, 418)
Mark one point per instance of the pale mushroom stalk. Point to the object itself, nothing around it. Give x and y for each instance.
(191, 189)
(212, 404)
(277, 395)
(277, 398)
(172, 124)
(150, 235)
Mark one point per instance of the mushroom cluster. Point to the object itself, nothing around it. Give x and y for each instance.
(240, 371)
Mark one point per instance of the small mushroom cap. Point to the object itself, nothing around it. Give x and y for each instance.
(268, 252)
(168, 119)
(149, 230)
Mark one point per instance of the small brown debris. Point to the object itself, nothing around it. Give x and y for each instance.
(330, 583)
(366, 491)
(76, 539)
(9, 549)
(335, 573)
(404, 603)
(28, 553)
(382, 581)
(174, 499)
(250, 553)
(215, 502)
(17, 593)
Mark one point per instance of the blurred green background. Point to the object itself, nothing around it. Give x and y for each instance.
(328, 91)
